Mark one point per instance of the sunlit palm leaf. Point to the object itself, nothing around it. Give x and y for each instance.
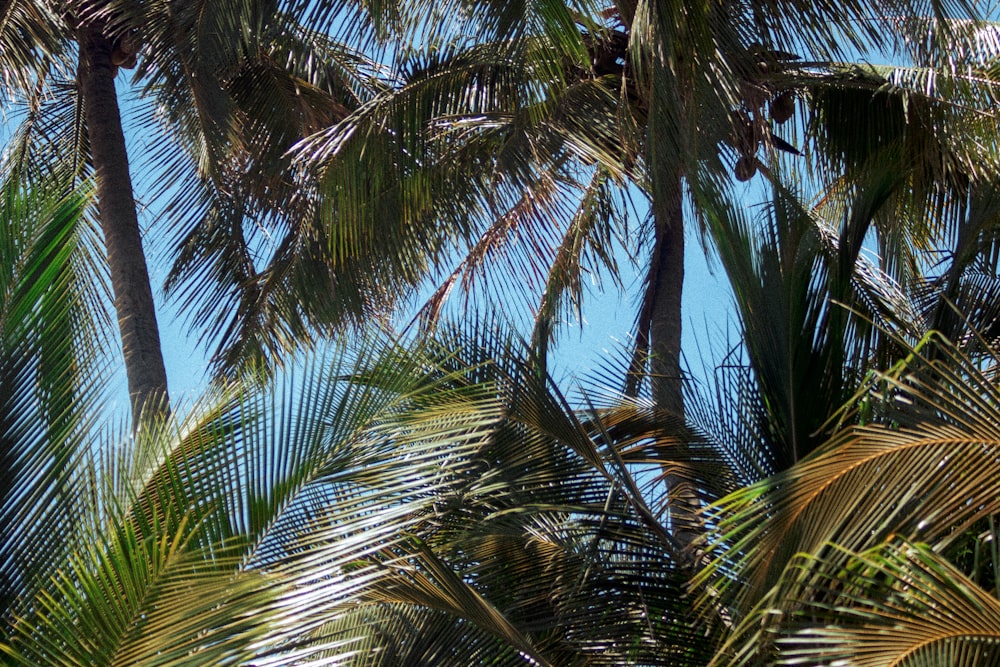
(898, 604)
(926, 471)
(301, 525)
(51, 374)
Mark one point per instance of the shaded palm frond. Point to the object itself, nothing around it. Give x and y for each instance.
(861, 113)
(895, 604)
(52, 376)
(247, 256)
(924, 469)
(32, 42)
(587, 247)
(467, 156)
(813, 309)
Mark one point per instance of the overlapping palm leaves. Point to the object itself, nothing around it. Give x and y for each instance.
(51, 326)
(806, 565)
(816, 311)
(251, 263)
(381, 505)
(474, 142)
(487, 142)
(798, 546)
(948, 619)
(815, 564)
(469, 140)
(443, 504)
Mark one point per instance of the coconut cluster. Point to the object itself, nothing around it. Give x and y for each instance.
(760, 106)
(752, 127)
(125, 51)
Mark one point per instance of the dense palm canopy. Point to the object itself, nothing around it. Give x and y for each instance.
(513, 140)
(436, 498)
(220, 92)
(398, 505)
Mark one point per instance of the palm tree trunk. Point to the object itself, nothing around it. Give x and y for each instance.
(665, 285)
(147, 378)
(666, 280)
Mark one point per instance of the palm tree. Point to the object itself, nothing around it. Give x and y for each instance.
(493, 125)
(133, 296)
(228, 109)
(484, 147)
(854, 519)
(924, 201)
(443, 503)
(379, 505)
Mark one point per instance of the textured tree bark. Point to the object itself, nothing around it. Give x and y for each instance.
(147, 378)
(667, 281)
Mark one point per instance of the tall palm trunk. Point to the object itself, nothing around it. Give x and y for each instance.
(665, 285)
(147, 378)
(658, 334)
(666, 280)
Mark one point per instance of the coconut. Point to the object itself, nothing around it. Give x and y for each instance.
(746, 167)
(754, 96)
(746, 134)
(783, 106)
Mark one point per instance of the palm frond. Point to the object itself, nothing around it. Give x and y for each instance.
(244, 233)
(51, 376)
(32, 42)
(474, 159)
(50, 143)
(895, 604)
(923, 470)
(436, 483)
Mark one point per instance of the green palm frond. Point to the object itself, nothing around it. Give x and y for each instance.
(52, 376)
(435, 483)
(897, 604)
(728, 409)
(141, 599)
(921, 131)
(469, 156)
(197, 524)
(508, 27)
(587, 247)
(862, 113)
(969, 305)
(405, 634)
(923, 470)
